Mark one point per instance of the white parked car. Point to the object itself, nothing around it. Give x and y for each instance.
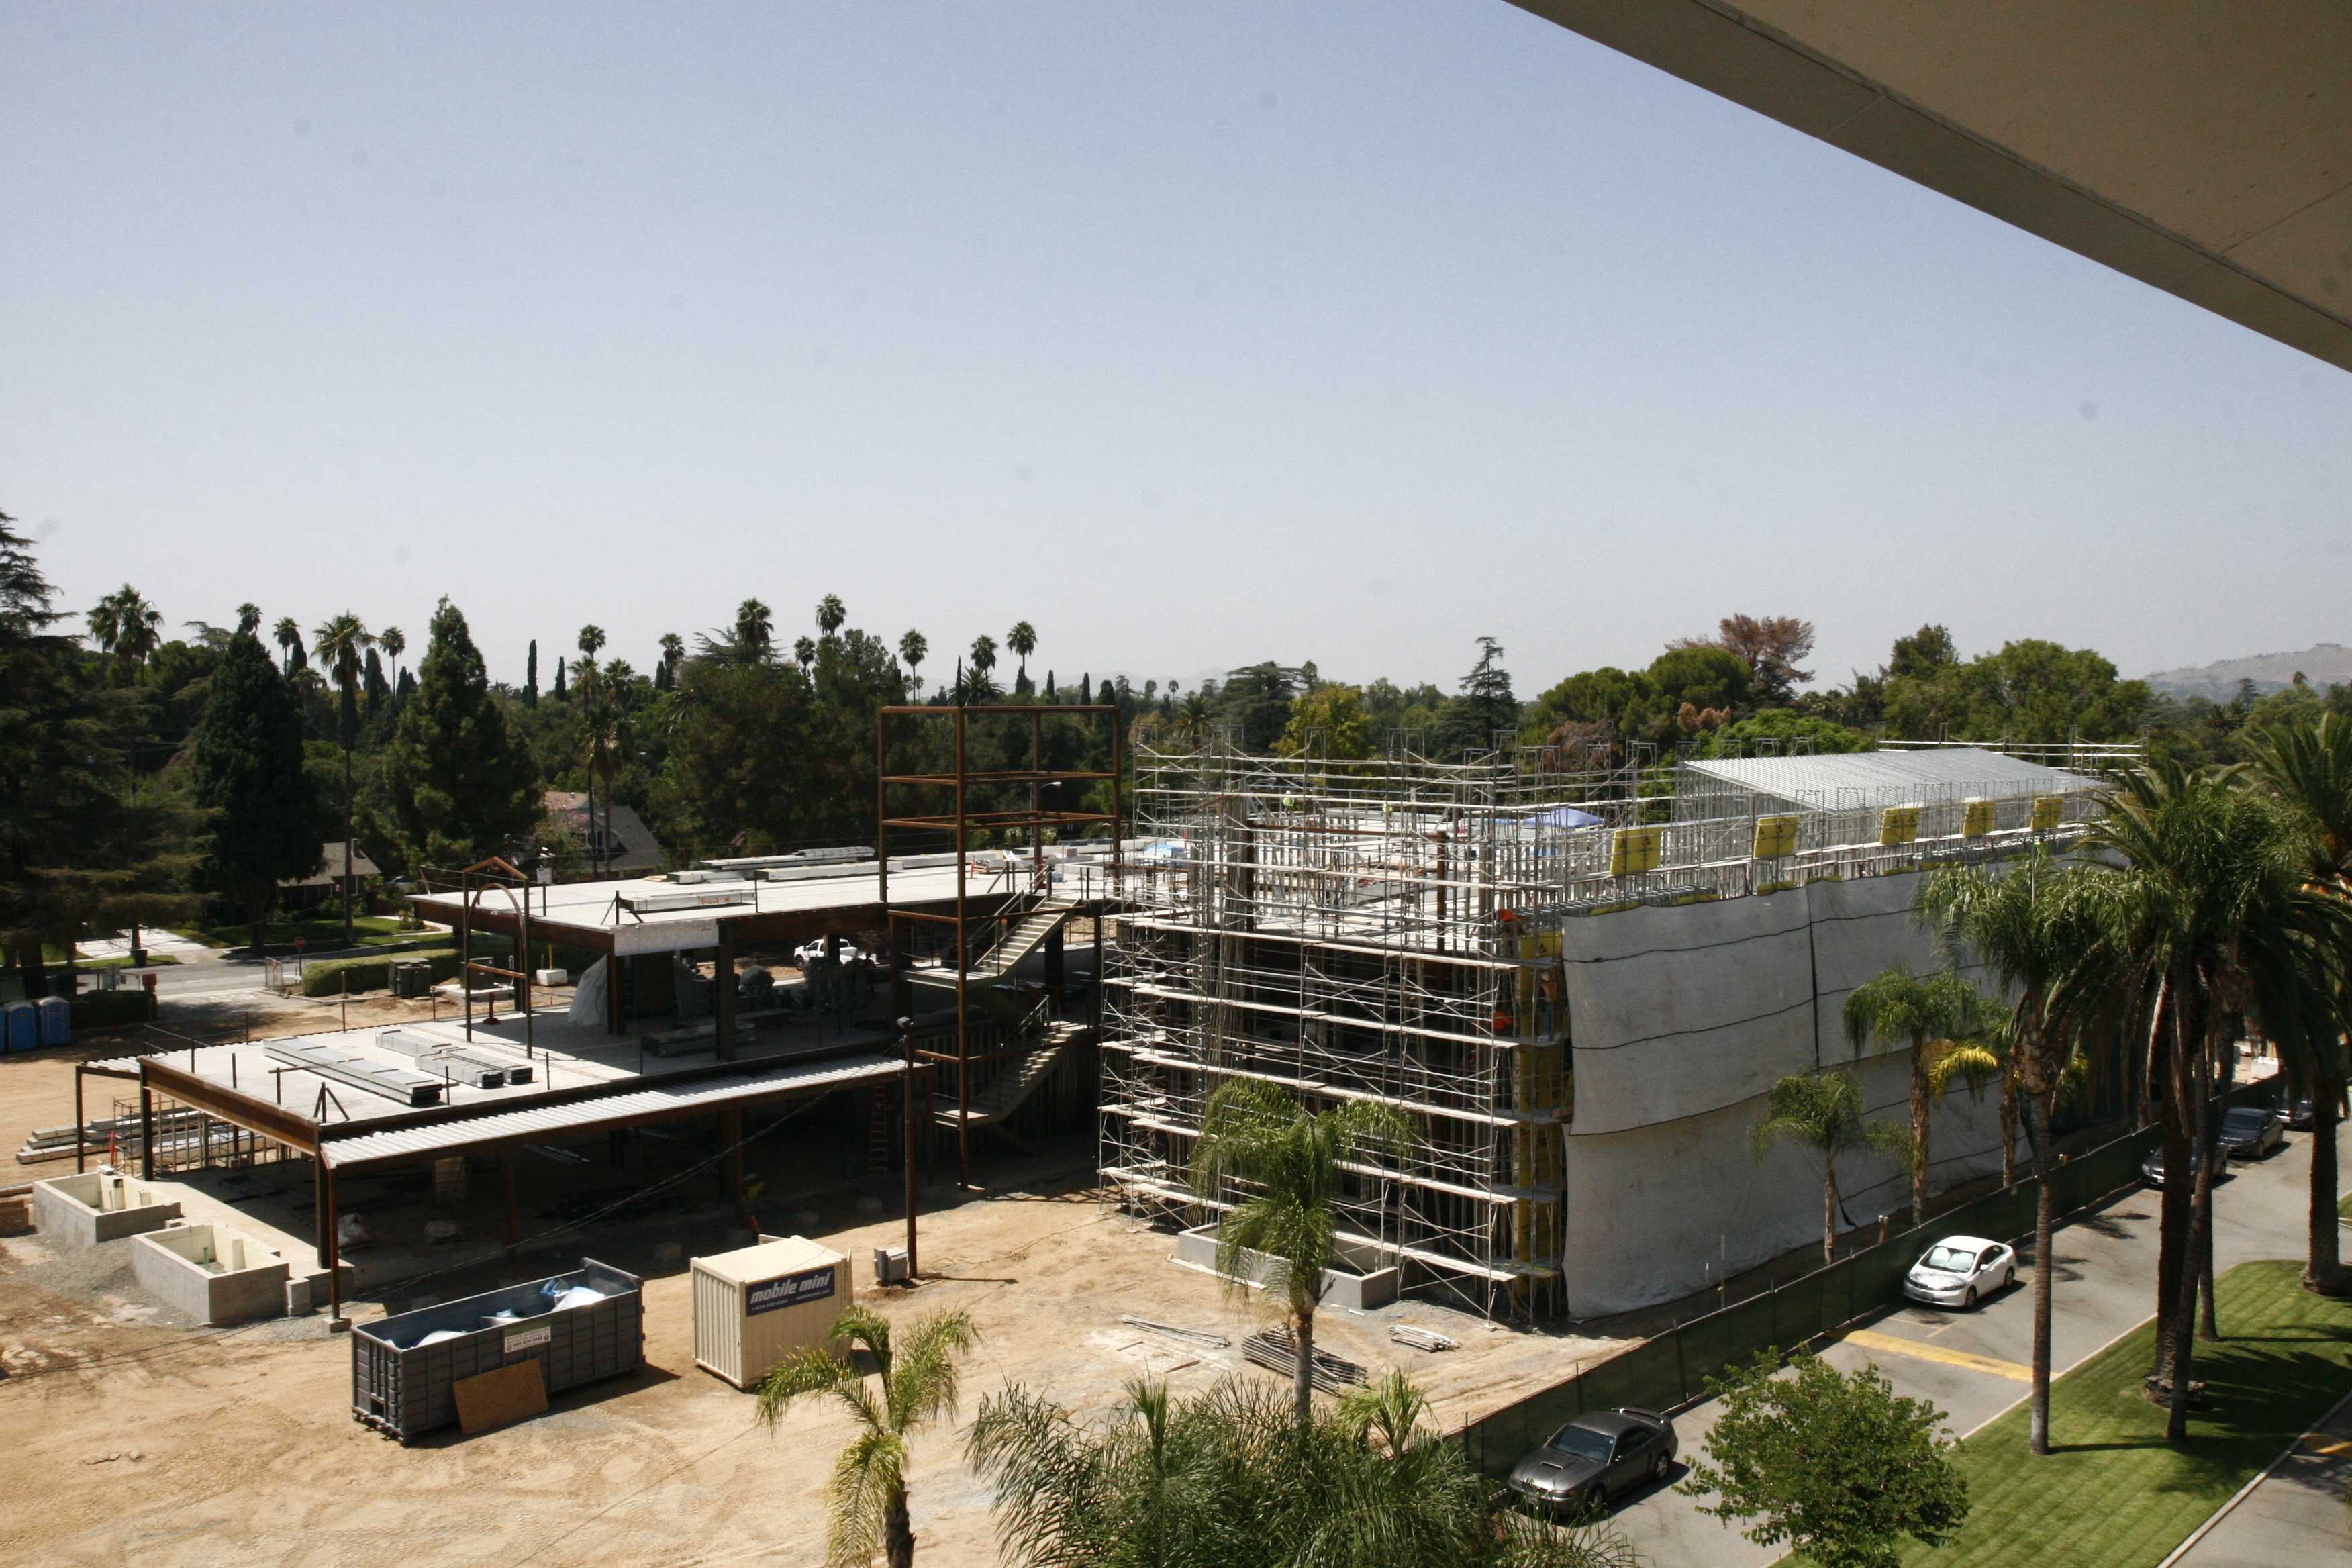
(808, 953)
(1959, 1271)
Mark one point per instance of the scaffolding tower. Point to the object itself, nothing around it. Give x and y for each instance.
(1357, 931)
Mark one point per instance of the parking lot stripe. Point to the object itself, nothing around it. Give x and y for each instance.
(1870, 1338)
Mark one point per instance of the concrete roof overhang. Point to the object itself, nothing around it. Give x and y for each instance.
(2201, 146)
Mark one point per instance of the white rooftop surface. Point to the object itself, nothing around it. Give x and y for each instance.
(756, 1082)
(1944, 773)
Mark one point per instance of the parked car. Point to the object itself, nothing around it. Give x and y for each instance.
(2151, 1169)
(808, 953)
(1601, 1455)
(2299, 1113)
(1959, 1270)
(2251, 1131)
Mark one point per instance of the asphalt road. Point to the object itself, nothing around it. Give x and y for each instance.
(1975, 1366)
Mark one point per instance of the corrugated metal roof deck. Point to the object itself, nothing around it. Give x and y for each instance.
(1941, 773)
(401, 1145)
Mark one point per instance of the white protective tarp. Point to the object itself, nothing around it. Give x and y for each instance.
(588, 996)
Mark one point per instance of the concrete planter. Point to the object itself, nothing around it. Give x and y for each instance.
(98, 1206)
(215, 1276)
(1362, 1282)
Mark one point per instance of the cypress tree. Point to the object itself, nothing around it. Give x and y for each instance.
(531, 676)
(265, 821)
(556, 691)
(461, 783)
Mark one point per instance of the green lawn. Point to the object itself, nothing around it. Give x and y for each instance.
(2113, 1495)
(370, 930)
(154, 961)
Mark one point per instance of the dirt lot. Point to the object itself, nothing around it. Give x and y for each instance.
(128, 1437)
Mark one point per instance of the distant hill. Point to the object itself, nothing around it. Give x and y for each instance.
(2324, 665)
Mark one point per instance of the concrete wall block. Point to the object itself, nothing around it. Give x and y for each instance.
(213, 1275)
(84, 1210)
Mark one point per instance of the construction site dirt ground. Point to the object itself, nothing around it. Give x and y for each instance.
(129, 1437)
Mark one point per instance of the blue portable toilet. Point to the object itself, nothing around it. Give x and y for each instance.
(57, 1020)
(23, 1026)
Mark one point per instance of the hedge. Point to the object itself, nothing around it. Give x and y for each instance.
(335, 976)
(111, 1009)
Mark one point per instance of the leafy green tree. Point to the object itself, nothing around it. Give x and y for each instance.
(1928, 1015)
(263, 815)
(1227, 1478)
(1282, 1170)
(1483, 707)
(2308, 765)
(916, 1382)
(1707, 679)
(530, 675)
(460, 785)
(79, 845)
(1332, 715)
(343, 643)
(1770, 647)
(1823, 1112)
(2031, 691)
(1255, 699)
(1839, 1467)
(1924, 655)
(1784, 726)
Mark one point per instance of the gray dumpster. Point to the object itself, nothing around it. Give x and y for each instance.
(403, 1388)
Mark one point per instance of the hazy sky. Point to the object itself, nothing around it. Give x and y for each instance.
(1193, 333)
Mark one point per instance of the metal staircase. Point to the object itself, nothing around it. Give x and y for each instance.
(1005, 1093)
(1024, 937)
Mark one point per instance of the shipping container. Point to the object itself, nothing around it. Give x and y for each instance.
(754, 1306)
(404, 1387)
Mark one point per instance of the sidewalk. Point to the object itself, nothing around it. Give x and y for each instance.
(2295, 1516)
(1974, 1365)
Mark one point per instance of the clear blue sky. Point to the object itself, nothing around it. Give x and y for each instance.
(1194, 333)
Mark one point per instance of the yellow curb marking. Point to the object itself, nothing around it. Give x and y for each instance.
(2329, 1450)
(1871, 1340)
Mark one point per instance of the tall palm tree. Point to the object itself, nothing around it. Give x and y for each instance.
(1822, 1111)
(2032, 928)
(1023, 640)
(288, 637)
(125, 625)
(1285, 1168)
(917, 1382)
(1192, 718)
(342, 643)
(913, 647)
(394, 642)
(982, 661)
(248, 617)
(1984, 1054)
(2309, 766)
(673, 652)
(1927, 1015)
(2211, 923)
(755, 627)
(830, 615)
(805, 654)
(595, 718)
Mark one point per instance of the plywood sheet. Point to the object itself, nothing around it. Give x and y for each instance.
(494, 1398)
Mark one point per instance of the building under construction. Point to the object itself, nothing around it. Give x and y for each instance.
(1430, 935)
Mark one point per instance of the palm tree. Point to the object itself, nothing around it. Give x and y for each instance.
(805, 654)
(1192, 719)
(913, 647)
(125, 625)
(2033, 929)
(289, 636)
(2210, 923)
(1822, 1111)
(1984, 1053)
(1023, 640)
(394, 642)
(343, 645)
(830, 615)
(248, 617)
(754, 631)
(918, 1383)
(983, 660)
(2309, 766)
(596, 724)
(1927, 1015)
(1286, 1166)
(673, 652)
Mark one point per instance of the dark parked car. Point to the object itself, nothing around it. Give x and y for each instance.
(2249, 1132)
(1601, 1455)
(2151, 1169)
(2299, 1113)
